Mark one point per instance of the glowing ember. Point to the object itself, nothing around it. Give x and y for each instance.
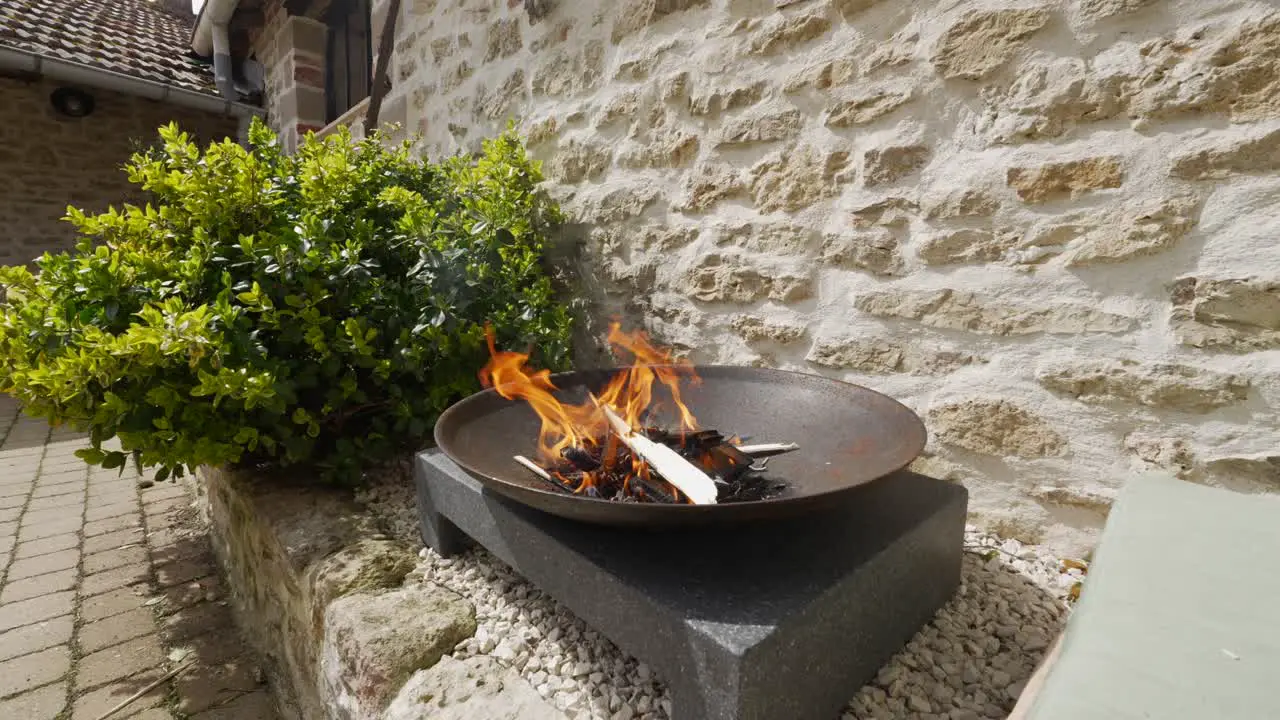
(604, 447)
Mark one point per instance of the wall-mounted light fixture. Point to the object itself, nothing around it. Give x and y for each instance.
(71, 102)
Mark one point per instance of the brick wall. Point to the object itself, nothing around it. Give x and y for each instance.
(48, 161)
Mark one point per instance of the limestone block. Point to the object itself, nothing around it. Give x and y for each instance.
(867, 108)
(766, 238)
(1102, 9)
(1240, 314)
(994, 427)
(892, 163)
(762, 127)
(720, 100)
(373, 643)
(885, 355)
(635, 15)
(874, 250)
(721, 278)
(1253, 153)
(753, 328)
(709, 183)
(894, 212)
(823, 75)
(369, 564)
(781, 33)
(960, 310)
(670, 149)
(1070, 178)
(576, 161)
(1141, 229)
(1161, 385)
(964, 245)
(796, 178)
(505, 39)
(1254, 473)
(983, 40)
(478, 688)
(969, 202)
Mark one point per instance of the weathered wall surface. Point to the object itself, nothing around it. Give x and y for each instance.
(1049, 227)
(48, 162)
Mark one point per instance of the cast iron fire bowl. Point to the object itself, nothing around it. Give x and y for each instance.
(848, 435)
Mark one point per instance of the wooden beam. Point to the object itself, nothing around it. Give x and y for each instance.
(386, 46)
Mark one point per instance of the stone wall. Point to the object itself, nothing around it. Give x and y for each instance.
(48, 161)
(318, 591)
(1046, 226)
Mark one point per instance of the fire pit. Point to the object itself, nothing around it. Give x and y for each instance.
(563, 443)
(783, 617)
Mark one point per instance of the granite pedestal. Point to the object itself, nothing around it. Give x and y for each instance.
(777, 621)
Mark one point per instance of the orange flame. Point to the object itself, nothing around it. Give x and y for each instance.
(629, 393)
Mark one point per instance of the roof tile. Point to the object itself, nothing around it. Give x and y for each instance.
(134, 37)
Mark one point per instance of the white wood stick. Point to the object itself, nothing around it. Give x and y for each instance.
(533, 467)
(767, 449)
(684, 475)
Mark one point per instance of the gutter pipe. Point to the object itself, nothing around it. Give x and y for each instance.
(209, 37)
(25, 61)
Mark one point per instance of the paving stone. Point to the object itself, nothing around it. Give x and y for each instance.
(59, 490)
(113, 540)
(39, 517)
(113, 602)
(183, 570)
(49, 528)
(10, 514)
(37, 636)
(25, 612)
(60, 481)
(94, 703)
(45, 703)
(184, 595)
(125, 660)
(38, 585)
(116, 629)
(114, 578)
(120, 522)
(10, 528)
(7, 543)
(13, 501)
(41, 564)
(109, 559)
(72, 503)
(254, 706)
(164, 491)
(203, 686)
(194, 621)
(219, 646)
(103, 488)
(112, 496)
(31, 671)
(47, 545)
(104, 511)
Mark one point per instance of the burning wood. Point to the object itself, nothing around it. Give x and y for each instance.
(765, 450)
(603, 448)
(687, 477)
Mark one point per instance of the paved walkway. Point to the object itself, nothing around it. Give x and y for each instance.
(106, 587)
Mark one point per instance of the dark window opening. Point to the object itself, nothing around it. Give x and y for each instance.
(348, 57)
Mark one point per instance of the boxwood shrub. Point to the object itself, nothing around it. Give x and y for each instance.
(268, 309)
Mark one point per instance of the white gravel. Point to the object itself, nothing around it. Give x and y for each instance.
(971, 662)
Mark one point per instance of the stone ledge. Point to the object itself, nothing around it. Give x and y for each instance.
(308, 569)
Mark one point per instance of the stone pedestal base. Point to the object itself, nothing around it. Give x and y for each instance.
(755, 622)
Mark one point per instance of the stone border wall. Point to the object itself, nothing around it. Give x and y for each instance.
(317, 589)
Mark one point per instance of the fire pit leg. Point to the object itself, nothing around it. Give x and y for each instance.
(438, 532)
